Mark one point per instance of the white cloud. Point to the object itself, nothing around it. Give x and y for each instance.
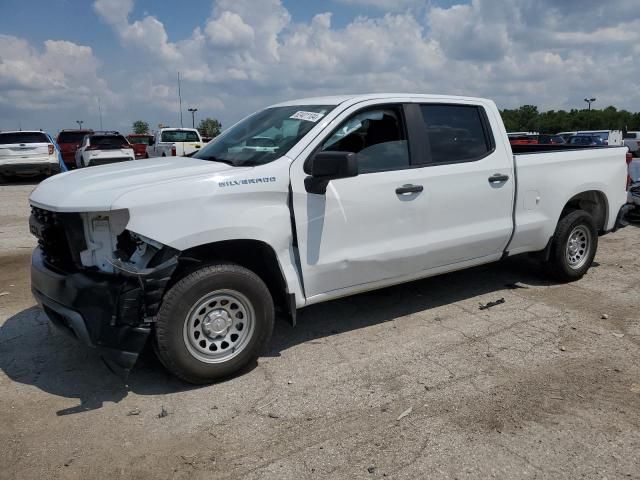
(247, 54)
(148, 33)
(229, 30)
(60, 76)
(388, 5)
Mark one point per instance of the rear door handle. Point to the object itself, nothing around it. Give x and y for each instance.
(498, 178)
(408, 188)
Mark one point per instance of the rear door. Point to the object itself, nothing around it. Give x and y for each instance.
(20, 146)
(468, 183)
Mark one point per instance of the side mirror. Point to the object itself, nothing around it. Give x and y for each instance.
(326, 166)
(152, 141)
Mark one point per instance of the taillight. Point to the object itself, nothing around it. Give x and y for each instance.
(51, 149)
(173, 151)
(629, 159)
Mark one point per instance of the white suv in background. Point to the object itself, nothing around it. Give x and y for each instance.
(100, 148)
(28, 152)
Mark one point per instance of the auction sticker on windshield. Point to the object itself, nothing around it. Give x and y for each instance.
(308, 116)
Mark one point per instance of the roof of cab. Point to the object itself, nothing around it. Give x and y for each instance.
(338, 99)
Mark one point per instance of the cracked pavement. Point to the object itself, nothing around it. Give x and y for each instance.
(540, 386)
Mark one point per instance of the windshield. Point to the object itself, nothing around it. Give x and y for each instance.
(71, 137)
(264, 136)
(179, 136)
(23, 137)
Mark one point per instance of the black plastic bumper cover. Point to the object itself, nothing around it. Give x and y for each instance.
(102, 311)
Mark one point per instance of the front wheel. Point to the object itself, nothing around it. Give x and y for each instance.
(213, 322)
(573, 246)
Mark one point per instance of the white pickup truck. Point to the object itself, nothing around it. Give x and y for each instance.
(172, 142)
(354, 193)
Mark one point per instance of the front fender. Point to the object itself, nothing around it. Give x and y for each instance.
(189, 213)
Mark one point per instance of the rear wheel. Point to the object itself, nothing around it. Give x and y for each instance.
(573, 247)
(213, 322)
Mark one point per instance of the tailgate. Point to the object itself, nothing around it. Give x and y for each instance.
(188, 147)
(23, 150)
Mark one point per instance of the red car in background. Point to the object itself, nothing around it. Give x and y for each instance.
(139, 143)
(69, 141)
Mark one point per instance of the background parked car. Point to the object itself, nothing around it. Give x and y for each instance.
(28, 153)
(139, 142)
(585, 140)
(608, 137)
(100, 148)
(550, 139)
(632, 141)
(69, 141)
(522, 139)
(169, 142)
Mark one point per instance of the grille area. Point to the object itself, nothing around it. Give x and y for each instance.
(58, 237)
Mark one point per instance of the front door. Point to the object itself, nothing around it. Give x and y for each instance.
(366, 228)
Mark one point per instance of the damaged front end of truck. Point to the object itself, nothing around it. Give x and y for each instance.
(99, 281)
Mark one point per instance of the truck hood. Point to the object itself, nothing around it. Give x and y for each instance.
(97, 188)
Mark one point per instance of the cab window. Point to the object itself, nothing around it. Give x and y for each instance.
(377, 136)
(456, 133)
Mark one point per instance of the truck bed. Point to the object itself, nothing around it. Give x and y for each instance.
(540, 148)
(548, 176)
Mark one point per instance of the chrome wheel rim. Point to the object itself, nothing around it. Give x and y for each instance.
(219, 326)
(578, 246)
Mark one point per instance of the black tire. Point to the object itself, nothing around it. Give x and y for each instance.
(163, 154)
(178, 304)
(559, 265)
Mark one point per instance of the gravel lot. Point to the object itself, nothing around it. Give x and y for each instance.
(408, 382)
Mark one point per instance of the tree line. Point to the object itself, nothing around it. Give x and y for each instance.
(527, 118)
(208, 127)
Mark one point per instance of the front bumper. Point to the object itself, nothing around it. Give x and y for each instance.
(102, 311)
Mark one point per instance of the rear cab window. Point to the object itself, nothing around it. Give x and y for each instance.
(139, 140)
(71, 137)
(456, 133)
(23, 137)
(179, 136)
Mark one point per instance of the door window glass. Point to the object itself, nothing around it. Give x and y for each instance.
(377, 136)
(456, 133)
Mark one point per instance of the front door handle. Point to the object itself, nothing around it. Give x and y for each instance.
(408, 188)
(498, 178)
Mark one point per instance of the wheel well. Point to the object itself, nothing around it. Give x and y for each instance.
(255, 255)
(593, 202)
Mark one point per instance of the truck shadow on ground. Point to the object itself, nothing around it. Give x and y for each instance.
(32, 352)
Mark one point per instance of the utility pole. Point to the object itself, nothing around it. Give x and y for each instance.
(100, 111)
(180, 100)
(80, 122)
(589, 101)
(193, 116)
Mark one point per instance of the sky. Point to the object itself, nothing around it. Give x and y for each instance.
(60, 60)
